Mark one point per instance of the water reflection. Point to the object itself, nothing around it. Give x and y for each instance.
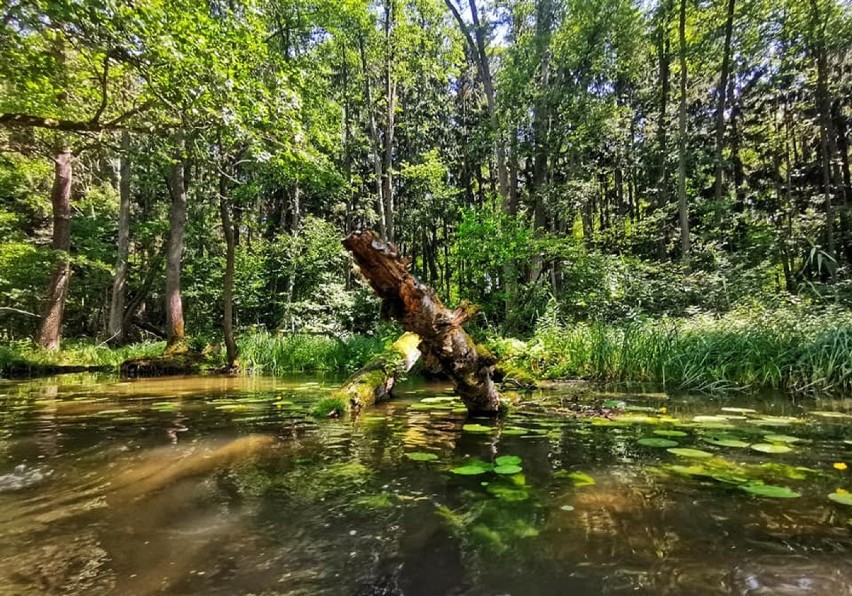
(225, 485)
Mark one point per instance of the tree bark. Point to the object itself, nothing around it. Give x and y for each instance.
(116, 306)
(375, 380)
(720, 109)
(228, 282)
(683, 210)
(374, 137)
(444, 343)
(174, 253)
(50, 330)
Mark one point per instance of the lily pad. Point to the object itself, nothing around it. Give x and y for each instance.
(508, 469)
(847, 441)
(653, 442)
(514, 431)
(421, 456)
(710, 418)
(770, 491)
(115, 412)
(782, 438)
(841, 498)
(726, 442)
(567, 508)
(739, 410)
(614, 403)
(581, 479)
(826, 414)
(477, 428)
(770, 448)
(508, 460)
(473, 468)
(685, 452)
(670, 433)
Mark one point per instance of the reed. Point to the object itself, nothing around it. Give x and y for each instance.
(790, 349)
(266, 353)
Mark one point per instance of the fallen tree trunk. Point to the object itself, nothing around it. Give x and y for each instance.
(444, 343)
(375, 380)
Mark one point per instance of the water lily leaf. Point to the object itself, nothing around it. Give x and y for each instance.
(613, 403)
(567, 508)
(652, 442)
(770, 491)
(782, 438)
(847, 441)
(710, 418)
(514, 431)
(477, 428)
(508, 460)
(473, 468)
(508, 469)
(770, 448)
(726, 442)
(670, 433)
(777, 421)
(114, 412)
(685, 452)
(841, 498)
(421, 456)
(825, 414)
(581, 479)
(739, 410)
(438, 400)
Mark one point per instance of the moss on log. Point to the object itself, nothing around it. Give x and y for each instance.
(375, 380)
(444, 343)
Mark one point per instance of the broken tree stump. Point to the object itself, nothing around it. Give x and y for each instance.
(374, 381)
(444, 343)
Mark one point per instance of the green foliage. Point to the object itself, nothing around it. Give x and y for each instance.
(797, 348)
(265, 353)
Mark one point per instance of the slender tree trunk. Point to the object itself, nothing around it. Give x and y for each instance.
(228, 282)
(662, 181)
(174, 253)
(683, 211)
(390, 84)
(116, 306)
(50, 331)
(720, 110)
(375, 143)
(477, 45)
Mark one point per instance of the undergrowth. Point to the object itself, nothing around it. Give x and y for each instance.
(793, 349)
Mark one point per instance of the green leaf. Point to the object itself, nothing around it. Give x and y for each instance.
(652, 442)
(670, 433)
(508, 460)
(782, 438)
(508, 469)
(685, 452)
(841, 498)
(726, 442)
(770, 448)
(477, 428)
(770, 491)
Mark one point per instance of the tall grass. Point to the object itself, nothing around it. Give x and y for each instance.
(273, 354)
(789, 348)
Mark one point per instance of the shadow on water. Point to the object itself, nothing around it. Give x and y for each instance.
(225, 485)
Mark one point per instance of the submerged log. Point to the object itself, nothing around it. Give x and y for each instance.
(375, 380)
(444, 343)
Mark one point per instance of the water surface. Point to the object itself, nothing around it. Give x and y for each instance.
(226, 486)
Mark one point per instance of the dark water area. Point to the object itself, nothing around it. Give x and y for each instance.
(209, 485)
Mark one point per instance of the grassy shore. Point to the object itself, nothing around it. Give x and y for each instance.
(791, 349)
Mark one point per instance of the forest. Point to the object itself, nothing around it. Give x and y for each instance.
(637, 191)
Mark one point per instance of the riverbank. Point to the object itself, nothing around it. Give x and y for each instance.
(794, 349)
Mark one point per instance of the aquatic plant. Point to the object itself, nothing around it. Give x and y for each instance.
(275, 354)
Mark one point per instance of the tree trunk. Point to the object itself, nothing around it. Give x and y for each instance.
(228, 282)
(174, 253)
(375, 380)
(116, 306)
(374, 137)
(444, 343)
(479, 51)
(390, 84)
(663, 51)
(683, 211)
(720, 110)
(50, 331)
